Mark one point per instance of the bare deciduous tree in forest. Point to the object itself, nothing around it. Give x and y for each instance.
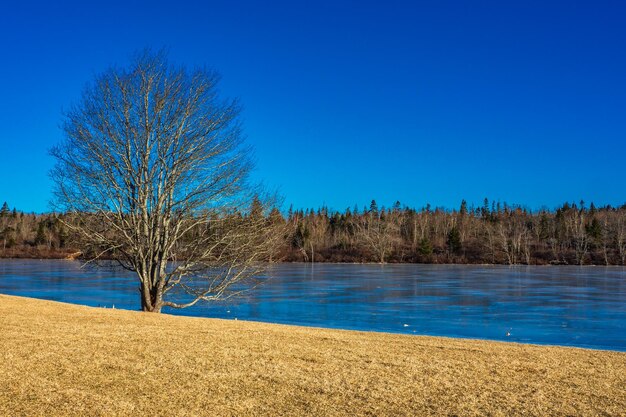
(378, 234)
(153, 174)
(579, 233)
(620, 237)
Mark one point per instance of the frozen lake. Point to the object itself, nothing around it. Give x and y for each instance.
(573, 306)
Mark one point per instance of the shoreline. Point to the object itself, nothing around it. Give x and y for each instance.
(340, 329)
(66, 359)
(353, 263)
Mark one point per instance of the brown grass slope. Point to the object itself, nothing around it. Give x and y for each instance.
(62, 359)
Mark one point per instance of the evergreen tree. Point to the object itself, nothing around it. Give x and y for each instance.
(454, 240)
(290, 213)
(256, 208)
(374, 208)
(594, 229)
(8, 237)
(463, 208)
(544, 226)
(4, 211)
(425, 248)
(275, 217)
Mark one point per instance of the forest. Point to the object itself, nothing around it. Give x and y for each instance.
(493, 233)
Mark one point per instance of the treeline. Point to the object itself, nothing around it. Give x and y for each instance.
(32, 235)
(493, 233)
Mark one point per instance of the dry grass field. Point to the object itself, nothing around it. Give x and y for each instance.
(62, 359)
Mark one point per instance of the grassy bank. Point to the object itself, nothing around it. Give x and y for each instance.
(62, 359)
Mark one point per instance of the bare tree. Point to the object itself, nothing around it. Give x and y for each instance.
(620, 237)
(378, 234)
(491, 240)
(579, 234)
(507, 242)
(153, 174)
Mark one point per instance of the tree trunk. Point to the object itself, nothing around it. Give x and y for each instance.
(151, 300)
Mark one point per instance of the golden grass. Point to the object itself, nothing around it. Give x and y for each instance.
(63, 359)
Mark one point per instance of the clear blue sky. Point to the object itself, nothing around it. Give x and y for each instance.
(415, 101)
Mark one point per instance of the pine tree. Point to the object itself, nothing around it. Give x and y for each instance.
(463, 208)
(485, 210)
(4, 211)
(594, 229)
(425, 248)
(374, 208)
(275, 217)
(256, 208)
(454, 240)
